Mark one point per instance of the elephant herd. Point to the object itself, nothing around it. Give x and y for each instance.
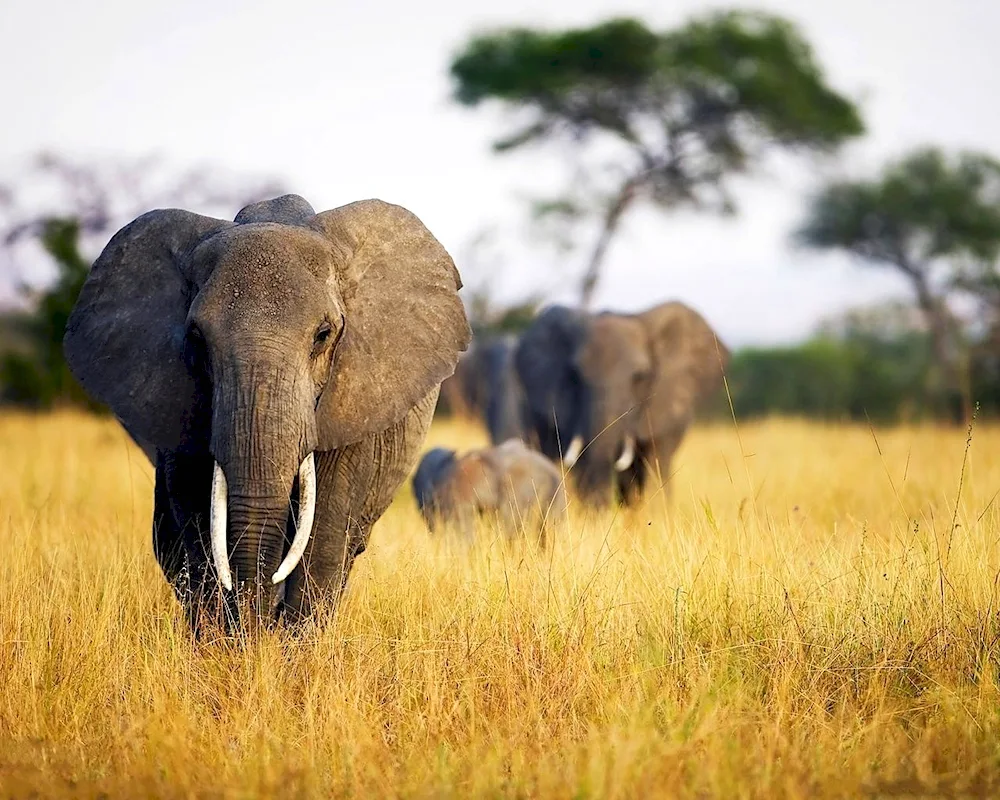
(608, 395)
(281, 371)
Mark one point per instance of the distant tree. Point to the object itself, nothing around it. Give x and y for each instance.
(674, 114)
(934, 219)
(70, 210)
(40, 377)
(861, 378)
(813, 379)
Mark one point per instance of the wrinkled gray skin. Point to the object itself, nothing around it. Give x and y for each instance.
(520, 489)
(609, 376)
(485, 386)
(253, 344)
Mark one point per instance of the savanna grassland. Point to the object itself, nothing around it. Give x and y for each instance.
(814, 612)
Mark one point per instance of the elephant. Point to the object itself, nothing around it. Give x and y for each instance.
(519, 487)
(612, 394)
(281, 371)
(505, 402)
(485, 386)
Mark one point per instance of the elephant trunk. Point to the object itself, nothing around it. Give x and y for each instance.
(256, 534)
(251, 513)
(610, 453)
(263, 438)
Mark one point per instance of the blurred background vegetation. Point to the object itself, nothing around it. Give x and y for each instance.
(661, 119)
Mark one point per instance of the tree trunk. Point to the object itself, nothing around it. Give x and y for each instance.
(943, 330)
(612, 219)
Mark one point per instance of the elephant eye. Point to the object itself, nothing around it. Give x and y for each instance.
(322, 338)
(323, 333)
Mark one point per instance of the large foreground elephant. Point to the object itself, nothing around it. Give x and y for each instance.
(613, 394)
(281, 370)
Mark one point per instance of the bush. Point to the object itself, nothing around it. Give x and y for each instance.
(857, 378)
(38, 376)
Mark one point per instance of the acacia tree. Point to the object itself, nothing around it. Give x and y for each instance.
(934, 219)
(673, 114)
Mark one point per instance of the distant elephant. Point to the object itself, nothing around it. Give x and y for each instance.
(281, 372)
(519, 488)
(505, 401)
(613, 394)
(485, 387)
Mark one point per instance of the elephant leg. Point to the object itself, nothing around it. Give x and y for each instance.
(168, 540)
(355, 486)
(180, 535)
(337, 539)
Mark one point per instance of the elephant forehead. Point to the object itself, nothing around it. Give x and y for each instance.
(616, 341)
(265, 272)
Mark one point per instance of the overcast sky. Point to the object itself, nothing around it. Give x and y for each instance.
(350, 100)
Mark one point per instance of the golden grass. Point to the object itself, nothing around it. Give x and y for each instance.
(802, 619)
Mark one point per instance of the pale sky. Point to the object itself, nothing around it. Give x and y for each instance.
(344, 101)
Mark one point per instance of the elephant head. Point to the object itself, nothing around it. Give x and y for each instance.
(452, 489)
(257, 342)
(436, 467)
(609, 391)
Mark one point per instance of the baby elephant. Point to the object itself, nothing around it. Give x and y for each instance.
(520, 488)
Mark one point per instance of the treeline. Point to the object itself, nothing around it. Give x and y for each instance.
(831, 379)
(881, 381)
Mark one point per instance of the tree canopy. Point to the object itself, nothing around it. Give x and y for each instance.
(923, 211)
(932, 217)
(686, 108)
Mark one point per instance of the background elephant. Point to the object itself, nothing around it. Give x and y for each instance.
(282, 370)
(505, 401)
(518, 487)
(485, 387)
(613, 394)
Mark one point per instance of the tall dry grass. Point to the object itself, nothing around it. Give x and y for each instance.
(813, 613)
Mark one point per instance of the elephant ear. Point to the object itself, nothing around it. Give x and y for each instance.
(405, 323)
(689, 363)
(124, 339)
(545, 363)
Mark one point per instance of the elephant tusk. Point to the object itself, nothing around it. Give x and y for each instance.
(307, 511)
(627, 457)
(572, 453)
(219, 509)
